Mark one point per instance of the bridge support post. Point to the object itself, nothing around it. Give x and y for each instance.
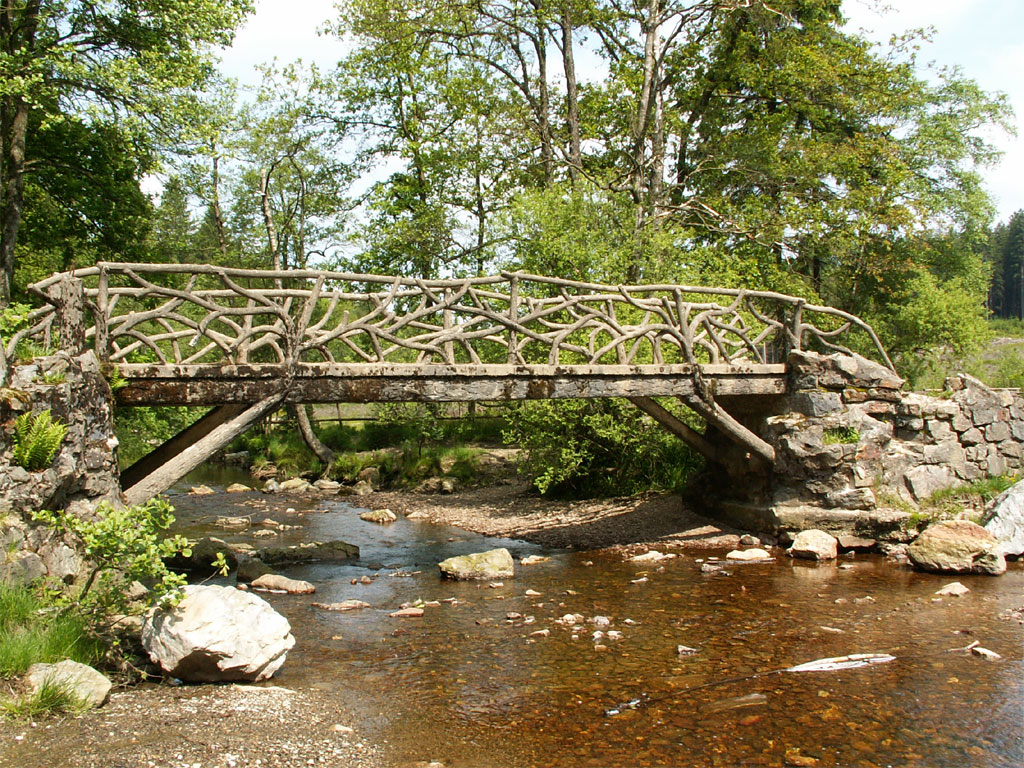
(68, 296)
(174, 446)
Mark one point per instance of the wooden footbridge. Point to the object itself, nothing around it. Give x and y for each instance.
(247, 341)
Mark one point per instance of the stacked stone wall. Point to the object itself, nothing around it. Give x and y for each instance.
(83, 472)
(856, 454)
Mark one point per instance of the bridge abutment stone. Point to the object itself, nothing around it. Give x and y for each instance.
(856, 455)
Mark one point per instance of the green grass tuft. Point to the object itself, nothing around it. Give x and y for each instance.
(31, 631)
(49, 698)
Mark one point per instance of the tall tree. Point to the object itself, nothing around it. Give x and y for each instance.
(121, 61)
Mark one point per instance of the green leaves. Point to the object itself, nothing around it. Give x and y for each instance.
(123, 545)
(37, 438)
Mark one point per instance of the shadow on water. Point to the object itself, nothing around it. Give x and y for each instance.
(471, 683)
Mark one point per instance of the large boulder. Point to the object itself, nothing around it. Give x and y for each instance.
(80, 680)
(957, 546)
(493, 564)
(217, 633)
(814, 545)
(1004, 519)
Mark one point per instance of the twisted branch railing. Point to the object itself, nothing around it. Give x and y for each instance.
(187, 314)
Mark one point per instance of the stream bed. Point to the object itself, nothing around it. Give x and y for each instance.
(470, 683)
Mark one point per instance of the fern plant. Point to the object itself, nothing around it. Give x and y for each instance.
(37, 438)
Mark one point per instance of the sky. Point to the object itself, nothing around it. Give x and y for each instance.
(984, 38)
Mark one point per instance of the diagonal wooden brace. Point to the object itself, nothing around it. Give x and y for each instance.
(195, 454)
(680, 429)
(718, 417)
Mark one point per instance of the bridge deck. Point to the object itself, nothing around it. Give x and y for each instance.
(375, 382)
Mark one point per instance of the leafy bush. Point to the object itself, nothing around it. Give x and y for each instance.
(123, 545)
(37, 438)
(577, 448)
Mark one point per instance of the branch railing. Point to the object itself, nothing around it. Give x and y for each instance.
(192, 314)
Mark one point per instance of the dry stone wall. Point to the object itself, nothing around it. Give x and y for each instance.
(856, 454)
(83, 472)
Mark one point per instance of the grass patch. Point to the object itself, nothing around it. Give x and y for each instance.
(841, 436)
(947, 503)
(49, 698)
(32, 630)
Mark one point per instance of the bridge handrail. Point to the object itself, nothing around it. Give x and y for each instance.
(579, 317)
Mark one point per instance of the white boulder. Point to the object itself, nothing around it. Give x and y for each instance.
(1004, 519)
(814, 544)
(217, 633)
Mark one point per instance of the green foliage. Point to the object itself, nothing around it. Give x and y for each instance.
(606, 447)
(841, 435)
(37, 438)
(138, 430)
(947, 503)
(13, 318)
(123, 545)
(32, 631)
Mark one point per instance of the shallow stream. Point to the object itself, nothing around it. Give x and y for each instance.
(469, 684)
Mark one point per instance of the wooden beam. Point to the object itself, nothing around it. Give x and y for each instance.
(162, 478)
(680, 429)
(366, 383)
(717, 416)
(175, 445)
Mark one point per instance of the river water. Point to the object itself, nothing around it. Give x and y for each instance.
(469, 684)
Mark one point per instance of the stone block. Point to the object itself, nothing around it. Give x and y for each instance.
(961, 422)
(997, 432)
(1017, 429)
(925, 480)
(938, 430)
(972, 436)
(1011, 449)
(985, 413)
(852, 395)
(949, 453)
(996, 464)
(817, 404)
(851, 498)
(889, 395)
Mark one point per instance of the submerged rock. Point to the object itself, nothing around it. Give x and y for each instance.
(237, 488)
(250, 569)
(217, 633)
(749, 554)
(203, 555)
(275, 581)
(79, 680)
(379, 516)
(494, 564)
(295, 485)
(344, 605)
(304, 553)
(957, 546)
(814, 545)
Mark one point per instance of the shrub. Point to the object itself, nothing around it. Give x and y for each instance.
(37, 438)
(123, 545)
(577, 448)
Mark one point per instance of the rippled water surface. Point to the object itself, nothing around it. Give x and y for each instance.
(468, 684)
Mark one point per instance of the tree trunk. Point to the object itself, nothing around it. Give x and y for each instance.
(301, 413)
(19, 36)
(547, 150)
(218, 214)
(268, 217)
(571, 96)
